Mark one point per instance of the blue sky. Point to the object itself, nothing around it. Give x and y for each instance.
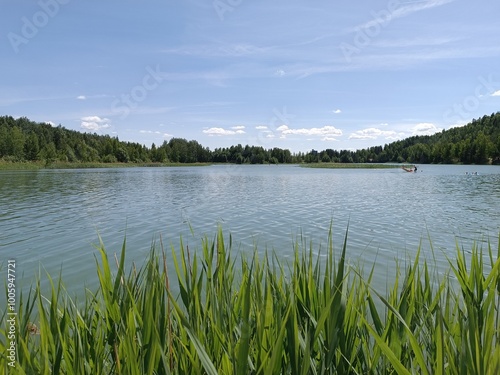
(294, 74)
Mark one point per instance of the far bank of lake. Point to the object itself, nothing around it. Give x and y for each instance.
(38, 165)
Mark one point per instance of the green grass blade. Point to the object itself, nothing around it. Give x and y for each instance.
(244, 342)
(398, 366)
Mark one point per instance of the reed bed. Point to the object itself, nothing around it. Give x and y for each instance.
(331, 165)
(256, 314)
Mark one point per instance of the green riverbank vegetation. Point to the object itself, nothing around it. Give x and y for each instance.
(25, 141)
(37, 165)
(255, 314)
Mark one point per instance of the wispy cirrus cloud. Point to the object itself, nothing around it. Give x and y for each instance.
(390, 60)
(416, 42)
(399, 9)
(218, 50)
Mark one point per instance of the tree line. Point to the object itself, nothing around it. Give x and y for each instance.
(23, 140)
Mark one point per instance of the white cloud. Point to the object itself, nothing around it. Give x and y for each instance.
(496, 93)
(164, 135)
(239, 127)
(329, 139)
(425, 128)
(94, 123)
(337, 111)
(221, 131)
(81, 97)
(373, 133)
(50, 123)
(280, 73)
(325, 131)
(94, 119)
(261, 127)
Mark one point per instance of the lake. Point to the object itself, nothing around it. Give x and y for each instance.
(50, 219)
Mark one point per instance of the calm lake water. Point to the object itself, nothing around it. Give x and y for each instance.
(50, 219)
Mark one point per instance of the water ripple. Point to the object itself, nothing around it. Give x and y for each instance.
(54, 217)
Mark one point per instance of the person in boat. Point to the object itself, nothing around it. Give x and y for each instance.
(414, 168)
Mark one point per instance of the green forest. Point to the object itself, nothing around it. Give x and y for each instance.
(22, 140)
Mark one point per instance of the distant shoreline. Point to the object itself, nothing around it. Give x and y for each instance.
(39, 165)
(13, 166)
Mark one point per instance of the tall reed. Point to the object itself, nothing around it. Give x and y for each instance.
(260, 315)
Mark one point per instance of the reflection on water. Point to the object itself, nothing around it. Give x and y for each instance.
(52, 218)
